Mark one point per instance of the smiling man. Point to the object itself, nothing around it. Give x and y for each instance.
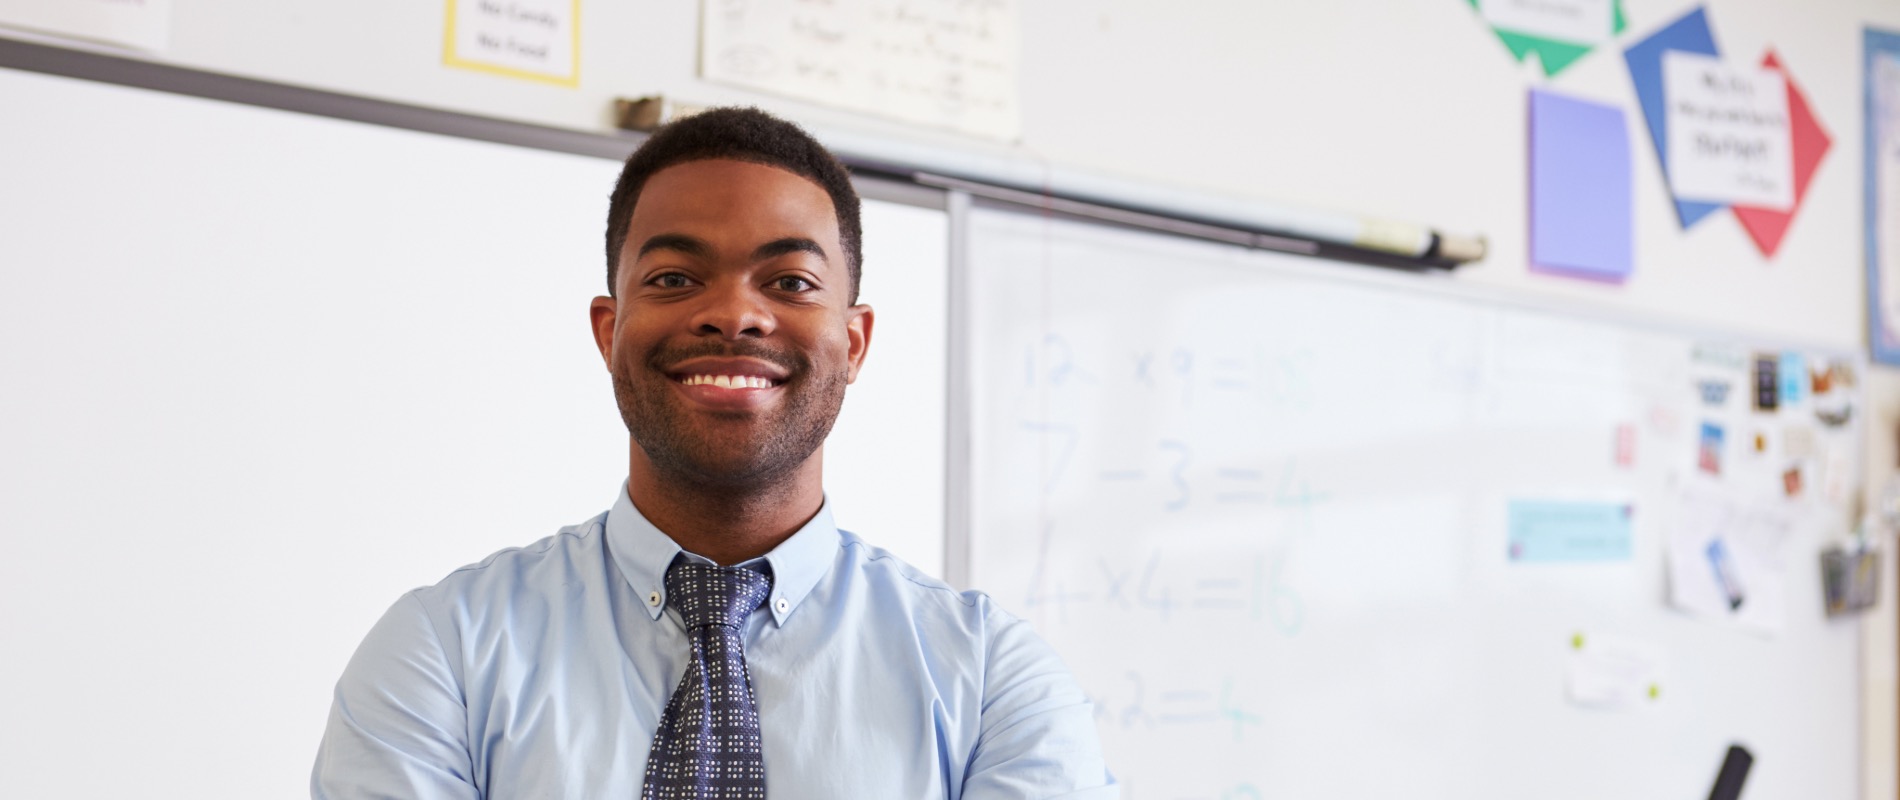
(713, 634)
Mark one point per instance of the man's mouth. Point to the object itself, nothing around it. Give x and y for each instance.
(727, 381)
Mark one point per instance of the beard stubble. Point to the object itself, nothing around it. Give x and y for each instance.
(735, 451)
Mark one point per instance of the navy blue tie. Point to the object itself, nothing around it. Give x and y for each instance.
(707, 747)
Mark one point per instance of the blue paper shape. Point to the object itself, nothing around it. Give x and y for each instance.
(1555, 531)
(1689, 34)
(1580, 188)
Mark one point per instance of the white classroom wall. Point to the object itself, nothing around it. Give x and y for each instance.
(1405, 109)
(1409, 109)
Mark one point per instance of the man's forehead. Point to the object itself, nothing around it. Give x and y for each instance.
(723, 197)
(715, 177)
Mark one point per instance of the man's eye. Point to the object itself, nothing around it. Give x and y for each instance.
(671, 280)
(793, 284)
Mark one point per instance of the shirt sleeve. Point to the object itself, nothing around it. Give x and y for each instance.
(398, 727)
(1037, 737)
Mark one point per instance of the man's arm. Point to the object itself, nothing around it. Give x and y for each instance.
(397, 726)
(1037, 738)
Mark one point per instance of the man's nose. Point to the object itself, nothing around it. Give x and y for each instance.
(734, 310)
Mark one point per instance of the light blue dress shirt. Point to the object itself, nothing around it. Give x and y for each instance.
(542, 672)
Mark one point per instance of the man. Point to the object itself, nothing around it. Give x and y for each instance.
(713, 635)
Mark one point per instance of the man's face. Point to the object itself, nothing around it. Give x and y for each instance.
(731, 337)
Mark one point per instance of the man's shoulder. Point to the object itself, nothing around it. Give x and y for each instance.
(884, 573)
(556, 560)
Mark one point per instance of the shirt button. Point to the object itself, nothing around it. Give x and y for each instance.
(653, 598)
(782, 605)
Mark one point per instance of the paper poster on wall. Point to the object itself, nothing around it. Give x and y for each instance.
(142, 24)
(1612, 673)
(1558, 31)
(1881, 167)
(537, 40)
(1569, 531)
(1727, 556)
(945, 65)
(1581, 218)
(1719, 130)
(1728, 132)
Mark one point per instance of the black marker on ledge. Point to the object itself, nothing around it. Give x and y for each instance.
(1728, 782)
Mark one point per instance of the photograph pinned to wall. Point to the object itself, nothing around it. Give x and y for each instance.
(943, 65)
(1767, 382)
(1881, 166)
(1558, 31)
(1834, 393)
(1727, 136)
(1580, 181)
(535, 40)
(1709, 449)
(138, 24)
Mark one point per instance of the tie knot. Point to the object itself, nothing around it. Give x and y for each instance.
(708, 596)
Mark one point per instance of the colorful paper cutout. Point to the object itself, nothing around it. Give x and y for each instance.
(1809, 142)
(1767, 226)
(1553, 53)
(1689, 34)
(1580, 210)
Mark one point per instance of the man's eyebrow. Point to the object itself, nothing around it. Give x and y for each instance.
(789, 244)
(677, 242)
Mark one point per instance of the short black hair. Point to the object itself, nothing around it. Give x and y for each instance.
(739, 134)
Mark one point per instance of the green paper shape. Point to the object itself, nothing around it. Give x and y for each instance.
(1553, 55)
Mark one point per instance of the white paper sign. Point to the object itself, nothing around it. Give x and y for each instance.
(144, 24)
(1575, 21)
(533, 39)
(1726, 557)
(1729, 138)
(1612, 673)
(943, 63)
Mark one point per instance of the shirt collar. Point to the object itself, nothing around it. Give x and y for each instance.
(643, 552)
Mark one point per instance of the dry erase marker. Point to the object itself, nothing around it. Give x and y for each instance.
(1725, 573)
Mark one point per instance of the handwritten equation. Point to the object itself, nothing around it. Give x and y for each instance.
(943, 63)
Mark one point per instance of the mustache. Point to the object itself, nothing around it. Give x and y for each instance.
(662, 357)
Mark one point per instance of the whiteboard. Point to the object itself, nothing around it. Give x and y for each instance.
(1259, 505)
(264, 372)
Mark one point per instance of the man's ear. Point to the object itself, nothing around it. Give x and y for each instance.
(857, 325)
(602, 313)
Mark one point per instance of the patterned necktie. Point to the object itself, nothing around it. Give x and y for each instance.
(707, 747)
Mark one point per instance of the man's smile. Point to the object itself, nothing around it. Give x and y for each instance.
(728, 384)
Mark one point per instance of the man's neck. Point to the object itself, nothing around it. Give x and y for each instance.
(726, 524)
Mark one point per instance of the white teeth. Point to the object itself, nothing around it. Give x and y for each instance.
(728, 381)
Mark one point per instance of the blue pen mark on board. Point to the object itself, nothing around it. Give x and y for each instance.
(1232, 711)
(1178, 474)
(1147, 595)
(1273, 599)
(1065, 437)
(1240, 495)
(1218, 594)
(1136, 710)
(1115, 579)
(1242, 791)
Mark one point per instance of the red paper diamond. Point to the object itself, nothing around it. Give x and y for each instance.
(1766, 225)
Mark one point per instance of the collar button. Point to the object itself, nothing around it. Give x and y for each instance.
(653, 599)
(782, 605)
